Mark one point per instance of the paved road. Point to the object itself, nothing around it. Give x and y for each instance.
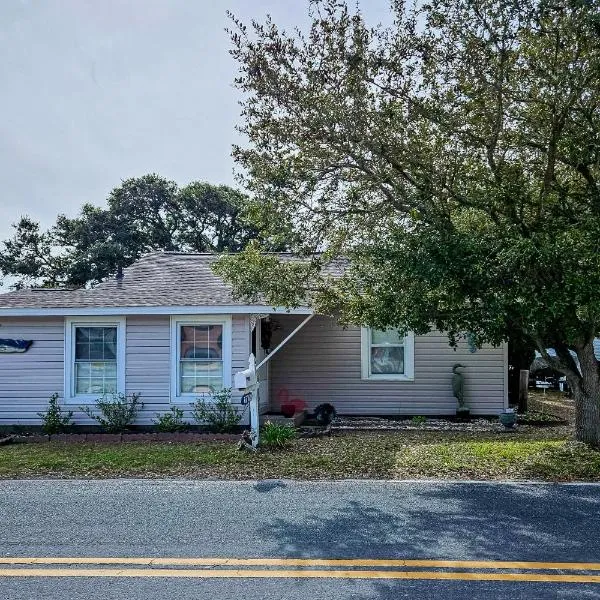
(335, 520)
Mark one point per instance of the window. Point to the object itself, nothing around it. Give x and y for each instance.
(201, 356)
(94, 358)
(386, 355)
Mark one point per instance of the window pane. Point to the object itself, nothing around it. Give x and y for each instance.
(200, 385)
(96, 351)
(195, 385)
(82, 369)
(387, 336)
(389, 361)
(215, 341)
(198, 376)
(96, 334)
(82, 386)
(95, 343)
(82, 351)
(201, 341)
(82, 335)
(201, 368)
(95, 378)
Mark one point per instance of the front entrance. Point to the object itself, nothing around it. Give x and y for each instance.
(263, 373)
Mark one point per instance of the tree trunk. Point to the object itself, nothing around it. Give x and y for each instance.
(586, 392)
(523, 390)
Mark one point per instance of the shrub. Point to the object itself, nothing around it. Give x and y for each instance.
(276, 435)
(418, 420)
(170, 422)
(117, 413)
(218, 414)
(55, 421)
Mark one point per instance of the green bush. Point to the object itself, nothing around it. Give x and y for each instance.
(55, 421)
(218, 414)
(419, 420)
(276, 435)
(170, 422)
(117, 413)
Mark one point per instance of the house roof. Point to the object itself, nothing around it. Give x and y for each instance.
(159, 279)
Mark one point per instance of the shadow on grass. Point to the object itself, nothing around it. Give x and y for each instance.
(456, 522)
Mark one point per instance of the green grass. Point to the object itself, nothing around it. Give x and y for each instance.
(556, 460)
(545, 454)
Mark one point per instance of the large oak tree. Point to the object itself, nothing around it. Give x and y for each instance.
(142, 215)
(453, 157)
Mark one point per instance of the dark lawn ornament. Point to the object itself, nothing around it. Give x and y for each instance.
(10, 346)
(325, 413)
(267, 327)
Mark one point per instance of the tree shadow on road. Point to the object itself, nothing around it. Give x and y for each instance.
(467, 522)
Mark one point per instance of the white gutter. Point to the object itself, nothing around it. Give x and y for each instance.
(237, 309)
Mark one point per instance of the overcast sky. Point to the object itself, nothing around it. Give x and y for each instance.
(95, 91)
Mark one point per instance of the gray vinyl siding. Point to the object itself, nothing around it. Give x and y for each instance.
(322, 363)
(28, 379)
(148, 361)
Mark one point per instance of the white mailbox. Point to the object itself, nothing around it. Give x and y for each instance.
(243, 379)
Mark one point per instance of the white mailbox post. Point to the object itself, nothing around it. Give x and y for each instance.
(245, 381)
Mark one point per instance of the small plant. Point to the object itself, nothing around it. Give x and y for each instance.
(218, 414)
(171, 421)
(275, 435)
(55, 421)
(117, 413)
(418, 420)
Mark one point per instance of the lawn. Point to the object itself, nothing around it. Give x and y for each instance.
(545, 454)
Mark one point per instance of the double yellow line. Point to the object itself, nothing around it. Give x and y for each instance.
(210, 568)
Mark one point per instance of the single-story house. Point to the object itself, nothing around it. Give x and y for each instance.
(169, 329)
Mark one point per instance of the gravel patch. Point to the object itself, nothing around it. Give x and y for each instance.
(433, 424)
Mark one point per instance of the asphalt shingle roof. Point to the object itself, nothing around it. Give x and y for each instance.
(156, 280)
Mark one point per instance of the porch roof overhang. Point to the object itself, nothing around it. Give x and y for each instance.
(284, 341)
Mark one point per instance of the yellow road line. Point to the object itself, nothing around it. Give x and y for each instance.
(299, 562)
(300, 574)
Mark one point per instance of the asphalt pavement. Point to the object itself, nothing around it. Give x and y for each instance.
(141, 539)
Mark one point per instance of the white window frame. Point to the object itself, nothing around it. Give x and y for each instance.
(176, 323)
(70, 325)
(409, 359)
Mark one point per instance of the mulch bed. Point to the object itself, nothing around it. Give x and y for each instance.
(112, 438)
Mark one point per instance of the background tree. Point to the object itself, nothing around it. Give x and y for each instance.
(143, 214)
(453, 157)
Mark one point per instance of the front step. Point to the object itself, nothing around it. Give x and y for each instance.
(294, 421)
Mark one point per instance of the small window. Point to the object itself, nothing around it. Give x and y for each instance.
(94, 359)
(201, 355)
(387, 355)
